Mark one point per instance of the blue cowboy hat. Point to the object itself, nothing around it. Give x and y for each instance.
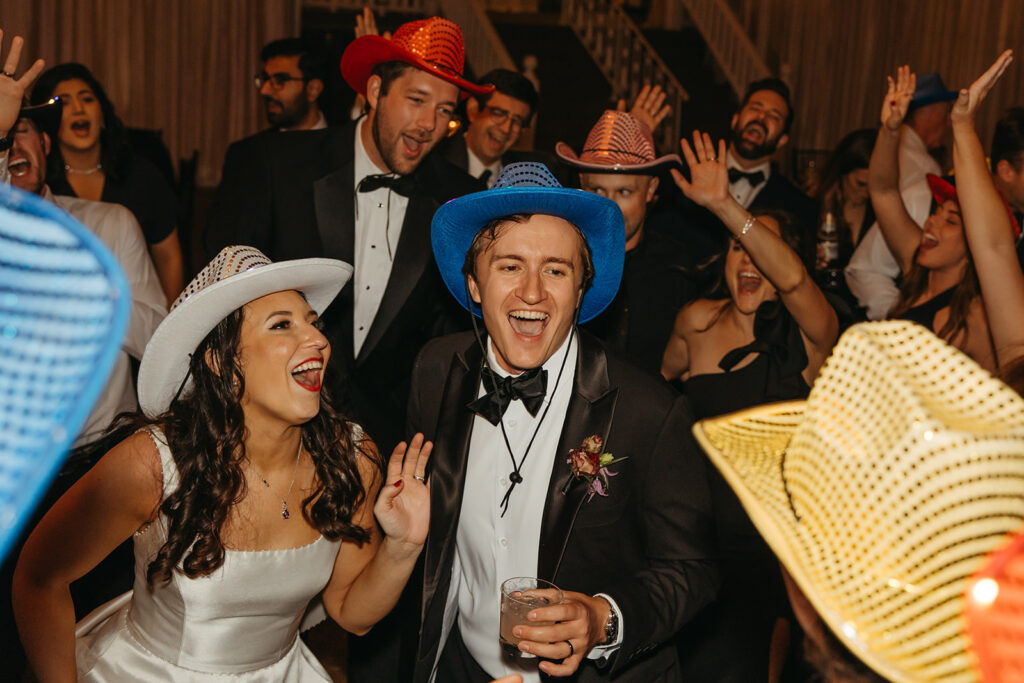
(530, 188)
(930, 89)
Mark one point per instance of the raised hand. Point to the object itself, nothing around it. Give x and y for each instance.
(12, 90)
(403, 506)
(967, 103)
(709, 177)
(649, 106)
(366, 25)
(897, 99)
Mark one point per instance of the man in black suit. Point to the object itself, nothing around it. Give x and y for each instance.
(553, 457)
(759, 129)
(496, 121)
(618, 161)
(364, 193)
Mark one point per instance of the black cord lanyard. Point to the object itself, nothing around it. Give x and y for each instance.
(515, 476)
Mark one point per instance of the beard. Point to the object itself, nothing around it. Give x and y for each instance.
(290, 115)
(388, 142)
(749, 150)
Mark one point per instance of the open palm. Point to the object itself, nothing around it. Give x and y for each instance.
(403, 506)
(897, 99)
(969, 99)
(709, 177)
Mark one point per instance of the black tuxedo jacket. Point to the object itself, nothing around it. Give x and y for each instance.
(647, 544)
(454, 150)
(291, 196)
(779, 193)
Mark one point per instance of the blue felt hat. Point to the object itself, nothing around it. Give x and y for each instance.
(64, 307)
(531, 188)
(930, 89)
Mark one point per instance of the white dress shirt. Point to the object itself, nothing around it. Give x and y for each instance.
(320, 124)
(477, 167)
(379, 217)
(872, 271)
(742, 191)
(490, 548)
(120, 233)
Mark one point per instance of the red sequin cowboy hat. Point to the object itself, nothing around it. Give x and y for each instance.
(433, 45)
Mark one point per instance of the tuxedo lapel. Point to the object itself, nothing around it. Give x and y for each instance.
(412, 257)
(591, 409)
(447, 481)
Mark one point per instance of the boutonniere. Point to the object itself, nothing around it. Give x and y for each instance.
(589, 463)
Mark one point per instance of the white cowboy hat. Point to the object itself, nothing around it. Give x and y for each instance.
(235, 277)
(884, 492)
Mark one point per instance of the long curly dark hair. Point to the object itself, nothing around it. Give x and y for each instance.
(115, 154)
(205, 430)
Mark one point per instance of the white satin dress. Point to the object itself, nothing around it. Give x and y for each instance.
(239, 623)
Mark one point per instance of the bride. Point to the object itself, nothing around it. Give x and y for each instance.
(247, 495)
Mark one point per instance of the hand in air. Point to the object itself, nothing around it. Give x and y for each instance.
(366, 25)
(649, 106)
(709, 177)
(969, 99)
(578, 626)
(897, 99)
(403, 506)
(12, 90)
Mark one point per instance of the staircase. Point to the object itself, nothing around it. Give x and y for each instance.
(626, 58)
(728, 40)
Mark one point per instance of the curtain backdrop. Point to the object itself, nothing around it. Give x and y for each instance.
(183, 67)
(836, 54)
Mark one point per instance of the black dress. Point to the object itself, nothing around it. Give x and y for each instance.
(143, 189)
(924, 313)
(729, 640)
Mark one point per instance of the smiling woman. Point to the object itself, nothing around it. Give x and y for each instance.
(238, 463)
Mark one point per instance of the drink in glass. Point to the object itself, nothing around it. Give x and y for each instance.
(519, 596)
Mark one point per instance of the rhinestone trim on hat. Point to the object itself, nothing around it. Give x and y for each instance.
(230, 261)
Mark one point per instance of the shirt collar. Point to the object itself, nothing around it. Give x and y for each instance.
(912, 141)
(364, 166)
(476, 166)
(731, 162)
(320, 124)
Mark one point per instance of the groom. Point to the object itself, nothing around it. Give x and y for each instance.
(520, 418)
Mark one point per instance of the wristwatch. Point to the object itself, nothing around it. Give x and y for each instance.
(611, 627)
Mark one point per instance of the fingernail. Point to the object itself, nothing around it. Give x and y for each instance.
(398, 483)
(517, 632)
(524, 647)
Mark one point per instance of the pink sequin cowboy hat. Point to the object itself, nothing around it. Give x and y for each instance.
(618, 143)
(433, 45)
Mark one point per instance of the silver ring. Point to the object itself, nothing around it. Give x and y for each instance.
(714, 158)
(572, 650)
(8, 74)
(419, 478)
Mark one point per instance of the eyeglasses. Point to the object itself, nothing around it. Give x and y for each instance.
(500, 116)
(277, 81)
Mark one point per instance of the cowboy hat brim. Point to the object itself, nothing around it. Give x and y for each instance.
(366, 52)
(457, 222)
(570, 158)
(168, 353)
(883, 492)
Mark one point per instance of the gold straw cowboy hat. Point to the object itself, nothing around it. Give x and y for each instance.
(884, 492)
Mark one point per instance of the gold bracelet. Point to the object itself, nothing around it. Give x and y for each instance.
(748, 225)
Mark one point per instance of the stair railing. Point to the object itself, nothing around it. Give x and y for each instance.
(739, 59)
(484, 47)
(626, 59)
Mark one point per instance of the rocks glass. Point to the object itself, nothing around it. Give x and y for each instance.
(518, 597)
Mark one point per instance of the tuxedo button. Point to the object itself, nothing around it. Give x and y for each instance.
(504, 542)
(504, 481)
(511, 423)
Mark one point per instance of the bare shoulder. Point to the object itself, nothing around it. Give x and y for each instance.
(133, 469)
(698, 315)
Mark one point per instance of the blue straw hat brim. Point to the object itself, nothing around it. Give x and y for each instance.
(599, 219)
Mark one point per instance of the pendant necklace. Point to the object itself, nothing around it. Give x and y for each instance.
(88, 171)
(284, 503)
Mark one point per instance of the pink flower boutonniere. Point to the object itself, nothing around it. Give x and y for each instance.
(588, 462)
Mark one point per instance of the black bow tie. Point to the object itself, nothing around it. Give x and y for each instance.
(529, 387)
(400, 184)
(755, 178)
